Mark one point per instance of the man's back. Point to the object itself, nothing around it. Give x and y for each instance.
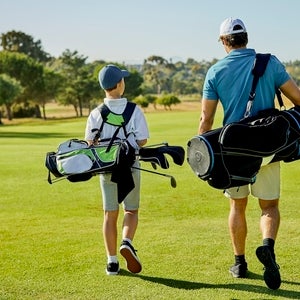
(230, 81)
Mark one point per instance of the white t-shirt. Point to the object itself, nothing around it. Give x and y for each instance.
(136, 128)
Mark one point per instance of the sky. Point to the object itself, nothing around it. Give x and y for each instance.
(132, 30)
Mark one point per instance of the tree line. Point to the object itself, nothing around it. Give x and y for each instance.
(30, 78)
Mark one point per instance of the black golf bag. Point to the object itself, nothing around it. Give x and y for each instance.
(232, 155)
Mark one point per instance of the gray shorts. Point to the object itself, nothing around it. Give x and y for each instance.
(266, 186)
(110, 193)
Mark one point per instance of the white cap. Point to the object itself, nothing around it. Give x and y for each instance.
(232, 26)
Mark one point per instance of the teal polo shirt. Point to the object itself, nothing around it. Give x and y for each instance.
(230, 81)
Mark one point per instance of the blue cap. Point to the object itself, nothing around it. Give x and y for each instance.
(110, 75)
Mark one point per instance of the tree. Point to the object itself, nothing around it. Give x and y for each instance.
(10, 88)
(142, 101)
(168, 100)
(69, 97)
(79, 80)
(25, 70)
(158, 71)
(47, 90)
(17, 41)
(133, 84)
(151, 99)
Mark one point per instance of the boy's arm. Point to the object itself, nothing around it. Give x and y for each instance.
(141, 143)
(90, 142)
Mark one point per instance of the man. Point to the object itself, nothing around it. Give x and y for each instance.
(229, 81)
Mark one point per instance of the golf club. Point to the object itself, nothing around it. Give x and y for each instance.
(51, 181)
(173, 181)
(155, 145)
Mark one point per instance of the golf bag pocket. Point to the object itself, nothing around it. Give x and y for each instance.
(106, 158)
(96, 159)
(278, 134)
(263, 137)
(70, 145)
(74, 164)
(70, 158)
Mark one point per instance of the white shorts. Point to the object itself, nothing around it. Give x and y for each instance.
(110, 192)
(266, 186)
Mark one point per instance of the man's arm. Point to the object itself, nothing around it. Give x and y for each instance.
(291, 91)
(208, 111)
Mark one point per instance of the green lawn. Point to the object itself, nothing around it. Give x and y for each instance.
(50, 235)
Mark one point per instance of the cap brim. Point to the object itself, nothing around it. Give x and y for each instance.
(125, 73)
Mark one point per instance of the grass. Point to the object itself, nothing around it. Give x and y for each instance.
(51, 241)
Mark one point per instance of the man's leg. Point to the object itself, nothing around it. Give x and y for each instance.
(269, 225)
(238, 231)
(270, 218)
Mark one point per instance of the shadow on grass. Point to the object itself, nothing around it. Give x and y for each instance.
(33, 135)
(191, 285)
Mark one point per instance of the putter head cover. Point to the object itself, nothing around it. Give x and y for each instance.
(176, 152)
(157, 155)
(154, 156)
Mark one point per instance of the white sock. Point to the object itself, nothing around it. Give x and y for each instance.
(128, 240)
(112, 259)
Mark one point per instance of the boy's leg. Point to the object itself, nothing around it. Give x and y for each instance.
(110, 241)
(110, 232)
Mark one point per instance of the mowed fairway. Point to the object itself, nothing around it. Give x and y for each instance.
(51, 241)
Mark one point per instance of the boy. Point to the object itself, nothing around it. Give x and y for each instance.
(111, 80)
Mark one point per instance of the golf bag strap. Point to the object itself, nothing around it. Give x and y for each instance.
(105, 111)
(260, 64)
(127, 113)
(279, 98)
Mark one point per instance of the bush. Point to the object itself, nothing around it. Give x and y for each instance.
(142, 101)
(168, 100)
(24, 110)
